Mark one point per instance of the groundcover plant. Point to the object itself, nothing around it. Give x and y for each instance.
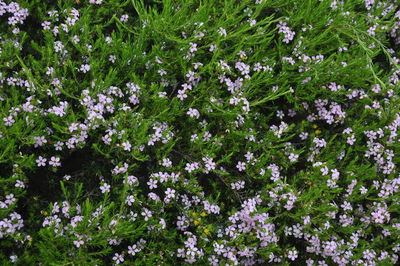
(212, 132)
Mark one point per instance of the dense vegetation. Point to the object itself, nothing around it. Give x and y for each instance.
(234, 132)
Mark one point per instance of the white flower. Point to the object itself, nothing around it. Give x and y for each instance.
(212, 47)
(193, 113)
(241, 166)
(112, 58)
(39, 141)
(58, 46)
(182, 94)
(55, 161)
(166, 162)
(85, 68)
(146, 214)
(129, 200)
(170, 193)
(238, 185)
(75, 39)
(13, 258)
(118, 258)
(363, 190)
(19, 183)
(292, 254)
(162, 94)
(124, 18)
(41, 161)
(222, 32)
(132, 250)
(78, 243)
(105, 188)
(293, 157)
(46, 25)
(209, 164)
(162, 72)
(127, 146)
(8, 121)
(152, 183)
(190, 167)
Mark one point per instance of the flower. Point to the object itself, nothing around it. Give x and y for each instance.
(222, 32)
(127, 146)
(132, 250)
(152, 183)
(146, 214)
(292, 254)
(182, 94)
(13, 258)
(41, 161)
(46, 25)
(8, 121)
(129, 200)
(166, 162)
(105, 188)
(118, 258)
(39, 141)
(170, 193)
(293, 157)
(54, 161)
(241, 166)
(288, 34)
(363, 190)
(190, 167)
(193, 113)
(124, 18)
(84, 68)
(112, 58)
(78, 243)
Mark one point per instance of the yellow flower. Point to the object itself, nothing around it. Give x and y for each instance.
(203, 214)
(314, 126)
(317, 131)
(206, 231)
(196, 222)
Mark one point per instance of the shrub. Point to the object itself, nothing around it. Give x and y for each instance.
(199, 132)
